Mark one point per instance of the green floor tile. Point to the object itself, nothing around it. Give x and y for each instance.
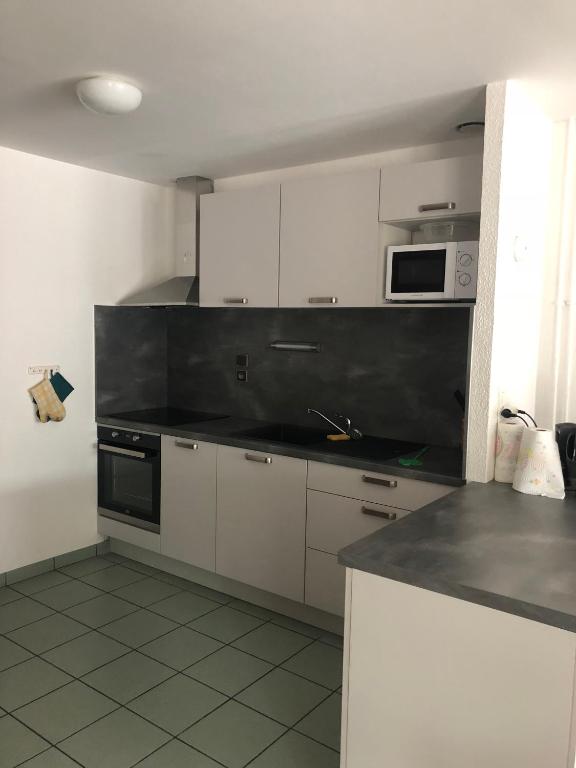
(112, 578)
(297, 626)
(65, 711)
(39, 583)
(11, 654)
(180, 648)
(283, 696)
(233, 734)
(52, 758)
(147, 591)
(253, 610)
(175, 754)
(66, 595)
(323, 723)
(85, 567)
(184, 607)
(8, 595)
(226, 624)
(85, 653)
(229, 670)
(119, 740)
(17, 743)
(296, 751)
(272, 643)
(101, 610)
(27, 681)
(128, 677)
(138, 628)
(177, 703)
(20, 612)
(318, 662)
(47, 633)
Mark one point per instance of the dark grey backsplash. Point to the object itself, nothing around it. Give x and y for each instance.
(392, 371)
(131, 363)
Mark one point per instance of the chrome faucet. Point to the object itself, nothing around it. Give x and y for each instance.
(352, 432)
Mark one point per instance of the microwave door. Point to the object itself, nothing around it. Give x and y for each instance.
(421, 273)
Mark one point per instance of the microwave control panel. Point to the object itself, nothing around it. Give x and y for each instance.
(466, 270)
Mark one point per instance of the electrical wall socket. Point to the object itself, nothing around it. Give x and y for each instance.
(34, 370)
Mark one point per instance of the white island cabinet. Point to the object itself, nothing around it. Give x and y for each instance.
(432, 681)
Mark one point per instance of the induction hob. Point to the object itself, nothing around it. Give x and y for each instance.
(166, 417)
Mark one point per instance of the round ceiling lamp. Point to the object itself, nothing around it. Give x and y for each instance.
(108, 95)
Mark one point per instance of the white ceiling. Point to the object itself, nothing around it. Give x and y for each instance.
(236, 86)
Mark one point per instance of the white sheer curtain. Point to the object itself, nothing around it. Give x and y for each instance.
(556, 398)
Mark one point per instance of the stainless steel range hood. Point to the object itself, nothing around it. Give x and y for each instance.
(183, 289)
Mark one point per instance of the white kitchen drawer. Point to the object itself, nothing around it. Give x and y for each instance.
(336, 521)
(325, 582)
(378, 487)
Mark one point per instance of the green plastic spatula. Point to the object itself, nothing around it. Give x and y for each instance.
(413, 461)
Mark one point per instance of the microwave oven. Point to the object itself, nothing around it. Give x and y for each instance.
(432, 272)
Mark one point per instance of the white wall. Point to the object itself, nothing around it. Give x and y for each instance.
(515, 209)
(69, 238)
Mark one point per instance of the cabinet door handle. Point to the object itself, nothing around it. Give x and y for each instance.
(436, 207)
(379, 513)
(237, 300)
(323, 300)
(380, 481)
(190, 446)
(256, 457)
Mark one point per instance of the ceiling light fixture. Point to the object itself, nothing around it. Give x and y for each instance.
(471, 126)
(108, 95)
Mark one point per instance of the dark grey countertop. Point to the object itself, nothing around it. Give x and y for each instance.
(486, 544)
(440, 465)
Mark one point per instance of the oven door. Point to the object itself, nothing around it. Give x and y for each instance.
(421, 272)
(129, 485)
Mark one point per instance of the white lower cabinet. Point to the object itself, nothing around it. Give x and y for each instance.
(325, 582)
(344, 505)
(261, 522)
(188, 511)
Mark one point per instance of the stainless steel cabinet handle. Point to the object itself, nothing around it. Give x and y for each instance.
(379, 481)
(437, 207)
(323, 300)
(255, 457)
(121, 451)
(379, 513)
(190, 446)
(238, 300)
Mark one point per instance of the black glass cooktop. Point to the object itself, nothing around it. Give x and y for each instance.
(167, 417)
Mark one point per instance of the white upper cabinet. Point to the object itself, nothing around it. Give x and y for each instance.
(239, 247)
(329, 241)
(428, 190)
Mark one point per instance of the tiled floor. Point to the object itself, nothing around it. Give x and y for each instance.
(109, 663)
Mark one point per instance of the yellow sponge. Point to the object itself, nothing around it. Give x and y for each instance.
(337, 438)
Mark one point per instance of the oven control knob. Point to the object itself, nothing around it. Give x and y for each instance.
(464, 278)
(465, 260)
(135, 438)
(115, 434)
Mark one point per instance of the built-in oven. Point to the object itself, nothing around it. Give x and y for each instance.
(129, 477)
